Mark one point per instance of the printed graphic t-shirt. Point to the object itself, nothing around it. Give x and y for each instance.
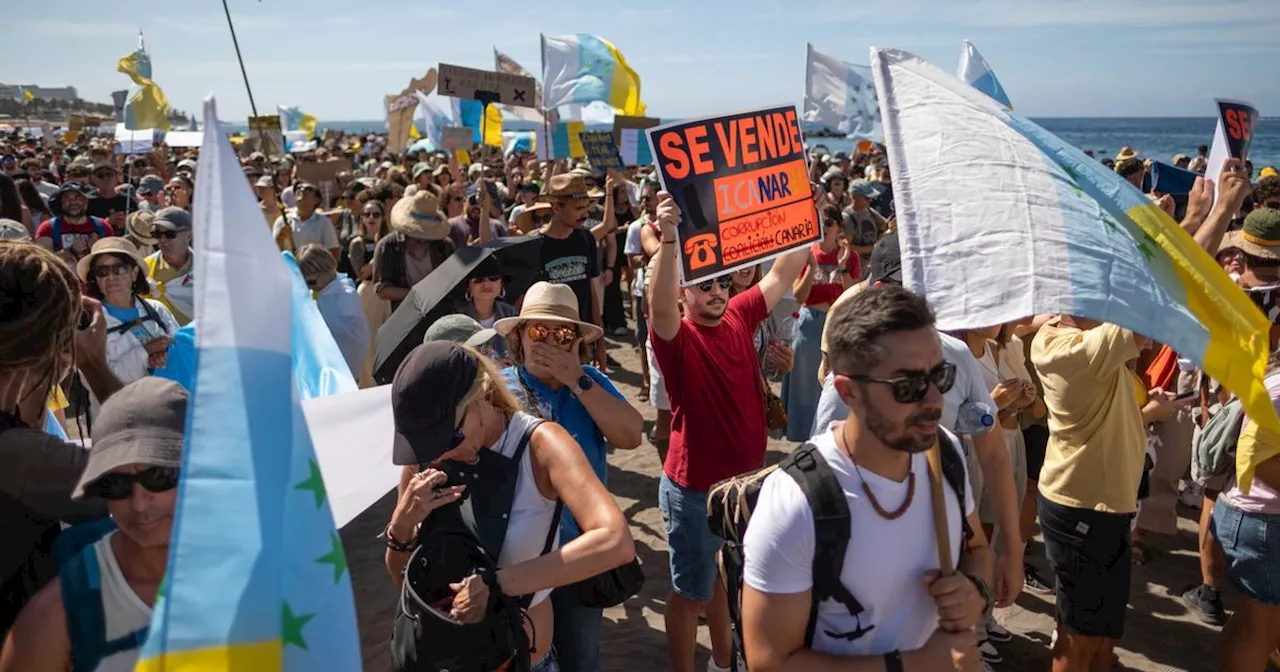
(75, 237)
(572, 261)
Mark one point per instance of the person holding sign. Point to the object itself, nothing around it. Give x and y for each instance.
(708, 359)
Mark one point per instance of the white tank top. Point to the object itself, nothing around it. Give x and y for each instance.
(125, 613)
(531, 513)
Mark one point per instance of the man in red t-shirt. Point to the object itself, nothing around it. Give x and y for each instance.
(718, 428)
(72, 233)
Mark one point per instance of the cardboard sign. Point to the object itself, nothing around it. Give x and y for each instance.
(1236, 123)
(319, 172)
(457, 137)
(602, 152)
(742, 184)
(628, 133)
(398, 124)
(487, 86)
(266, 130)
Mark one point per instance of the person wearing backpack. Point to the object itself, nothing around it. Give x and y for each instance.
(95, 616)
(73, 232)
(841, 564)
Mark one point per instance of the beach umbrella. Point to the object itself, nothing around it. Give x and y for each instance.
(441, 293)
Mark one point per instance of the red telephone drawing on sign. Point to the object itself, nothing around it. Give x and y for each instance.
(700, 250)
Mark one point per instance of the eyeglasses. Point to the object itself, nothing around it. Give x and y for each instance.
(372, 214)
(724, 281)
(167, 235)
(563, 334)
(103, 270)
(910, 388)
(116, 487)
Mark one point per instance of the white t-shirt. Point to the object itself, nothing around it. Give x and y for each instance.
(317, 229)
(883, 566)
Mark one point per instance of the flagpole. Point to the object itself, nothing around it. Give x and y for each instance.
(236, 44)
(546, 120)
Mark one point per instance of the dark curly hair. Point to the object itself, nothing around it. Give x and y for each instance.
(1266, 188)
(140, 284)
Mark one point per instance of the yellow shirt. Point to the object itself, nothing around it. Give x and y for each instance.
(1097, 441)
(174, 287)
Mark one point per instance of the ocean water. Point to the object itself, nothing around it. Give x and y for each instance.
(1157, 137)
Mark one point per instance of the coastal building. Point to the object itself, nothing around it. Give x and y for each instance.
(13, 92)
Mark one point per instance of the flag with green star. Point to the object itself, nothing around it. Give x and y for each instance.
(998, 220)
(257, 577)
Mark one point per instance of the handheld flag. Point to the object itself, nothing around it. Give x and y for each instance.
(1000, 219)
(841, 96)
(504, 63)
(26, 94)
(976, 73)
(257, 578)
(469, 112)
(294, 119)
(583, 68)
(146, 106)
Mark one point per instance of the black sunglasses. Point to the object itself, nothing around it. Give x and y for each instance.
(103, 270)
(115, 486)
(167, 235)
(724, 281)
(911, 388)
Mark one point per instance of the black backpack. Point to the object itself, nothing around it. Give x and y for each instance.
(731, 502)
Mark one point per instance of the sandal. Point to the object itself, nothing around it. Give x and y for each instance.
(1142, 554)
(644, 394)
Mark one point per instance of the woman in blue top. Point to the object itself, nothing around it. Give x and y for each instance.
(548, 342)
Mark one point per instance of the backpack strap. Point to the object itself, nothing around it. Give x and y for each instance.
(98, 226)
(55, 230)
(152, 315)
(832, 528)
(81, 585)
(953, 472)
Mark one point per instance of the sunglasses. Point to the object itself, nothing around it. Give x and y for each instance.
(103, 270)
(911, 388)
(167, 235)
(724, 281)
(563, 334)
(458, 435)
(488, 278)
(371, 215)
(116, 487)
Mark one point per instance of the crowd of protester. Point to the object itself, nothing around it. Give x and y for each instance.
(1090, 435)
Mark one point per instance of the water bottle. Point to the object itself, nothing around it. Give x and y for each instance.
(785, 335)
(974, 418)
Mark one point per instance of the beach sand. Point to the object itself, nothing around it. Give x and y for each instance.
(1160, 634)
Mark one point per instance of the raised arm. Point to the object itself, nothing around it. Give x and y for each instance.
(1233, 187)
(664, 308)
(779, 279)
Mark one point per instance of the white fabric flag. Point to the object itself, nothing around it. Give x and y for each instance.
(841, 96)
(976, 73)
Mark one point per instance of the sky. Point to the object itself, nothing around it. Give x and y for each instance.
(337, 59)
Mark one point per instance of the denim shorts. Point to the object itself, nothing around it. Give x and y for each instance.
(691, 546)
(1251, 542)
(548, 663)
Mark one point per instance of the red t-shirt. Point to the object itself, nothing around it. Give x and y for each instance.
(826, 279)
(85, 234)
(712, 375)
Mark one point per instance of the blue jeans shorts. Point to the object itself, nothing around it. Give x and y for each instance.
(1251, 542)
(691, 546)
(547, 664)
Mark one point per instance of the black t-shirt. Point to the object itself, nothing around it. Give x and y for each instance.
(573, 262)
(103, 206)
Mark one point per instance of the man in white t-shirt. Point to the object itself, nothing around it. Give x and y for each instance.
(890, 371)
(309, 226)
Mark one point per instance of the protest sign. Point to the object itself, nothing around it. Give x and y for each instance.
(743, 186)
(183, 138)
(601, 151)
(266, 130)
(1236, 122)
(317, 172)
(628, 133)
(487, 86)
(133, 142)
(457, 137)
(75, 123)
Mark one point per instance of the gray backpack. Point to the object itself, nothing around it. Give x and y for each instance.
(1215, 449)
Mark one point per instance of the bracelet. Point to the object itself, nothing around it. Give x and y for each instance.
(668, 242)
(893, 661)
(398, 546)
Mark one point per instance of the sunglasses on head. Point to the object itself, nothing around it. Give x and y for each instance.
(724, 281)
(563, 334)
(167, 235)
(912, 387)
(103, 270)
(115, 486)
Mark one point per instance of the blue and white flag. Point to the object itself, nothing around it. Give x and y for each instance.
(257, 578)
(841, 96)
(976, 73)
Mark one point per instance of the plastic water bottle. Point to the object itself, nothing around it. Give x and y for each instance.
(974, 418)
(785, 335)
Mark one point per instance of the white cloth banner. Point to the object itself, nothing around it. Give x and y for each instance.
(841, 96)
(183, 138)
(134, 142)
(353, 434)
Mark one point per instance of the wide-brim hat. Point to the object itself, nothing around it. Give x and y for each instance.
(565, 187)
(549, 302)
(419, 216)
(1260, 235)
(1126, 152)
(141, 226)
(112, 245)
(523, 221)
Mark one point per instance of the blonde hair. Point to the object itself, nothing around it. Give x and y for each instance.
(314, 259)
(490, 385)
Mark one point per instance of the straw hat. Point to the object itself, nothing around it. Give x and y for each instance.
(112, 245)
(1126, 152)
(547, 302)
(141, 226)
(565, 187)
(419, 216)
(524, 221)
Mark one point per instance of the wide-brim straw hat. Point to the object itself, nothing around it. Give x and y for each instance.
(549, 302)
(419, 216)
(565, 187)
(140, 225)
(112, 245)
(524, 220)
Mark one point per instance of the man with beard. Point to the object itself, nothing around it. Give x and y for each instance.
(99, 608)
(891, 373)
(73, 232)
(568, 248)
(111, 203)
(711, 368)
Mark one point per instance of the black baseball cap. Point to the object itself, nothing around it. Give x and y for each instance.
(886, 261)
(425, 393)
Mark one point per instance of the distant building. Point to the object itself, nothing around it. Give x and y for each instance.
(11, 92)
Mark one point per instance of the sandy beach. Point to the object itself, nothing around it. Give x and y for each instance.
(1161, 633)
